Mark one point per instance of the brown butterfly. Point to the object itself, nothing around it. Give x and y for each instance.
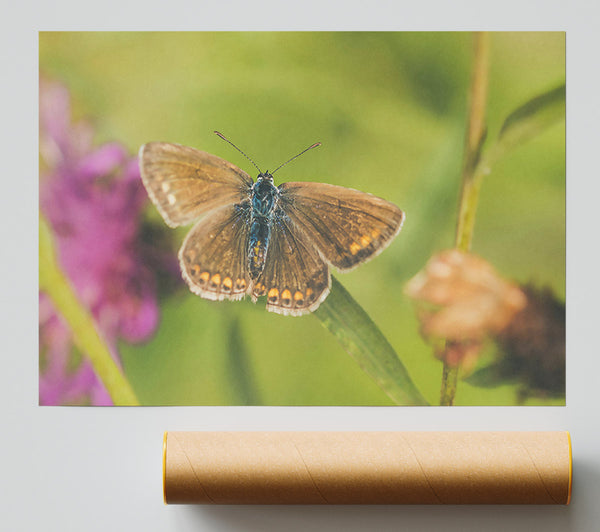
(258, 239)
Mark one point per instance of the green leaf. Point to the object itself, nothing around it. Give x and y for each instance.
(490, 376)
(528, 121)
(361, 338)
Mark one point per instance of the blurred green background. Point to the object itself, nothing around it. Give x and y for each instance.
(390, 111)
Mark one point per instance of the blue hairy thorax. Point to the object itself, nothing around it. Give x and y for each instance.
(264, 193)
(263, 200)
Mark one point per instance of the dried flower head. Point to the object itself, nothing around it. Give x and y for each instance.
(462, 299)
(466, 297)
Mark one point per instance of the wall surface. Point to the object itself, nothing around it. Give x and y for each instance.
(98, 469)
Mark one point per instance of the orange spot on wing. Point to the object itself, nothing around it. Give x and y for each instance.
(204, 277)
(365, 241)
(354, 248)
(286, 297)
(228, 283)
(259, 290)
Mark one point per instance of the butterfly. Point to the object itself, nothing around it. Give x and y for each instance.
(254, 238)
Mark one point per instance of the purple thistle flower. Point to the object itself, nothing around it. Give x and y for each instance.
(93, 199)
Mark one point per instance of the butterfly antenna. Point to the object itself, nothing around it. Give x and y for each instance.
(296, 156)
(227, 140)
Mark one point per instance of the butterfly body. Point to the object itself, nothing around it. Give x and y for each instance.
(258, 239)
(264, 200)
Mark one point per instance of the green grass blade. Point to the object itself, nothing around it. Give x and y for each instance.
(361, 338)
(238, 361)
(85, 334)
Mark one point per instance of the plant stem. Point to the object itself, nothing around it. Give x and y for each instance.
(85, 333)
(472, 176)
(449, 380)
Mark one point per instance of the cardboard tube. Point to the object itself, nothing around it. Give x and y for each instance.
(367, 467)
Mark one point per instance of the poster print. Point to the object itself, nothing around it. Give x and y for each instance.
(414, 255)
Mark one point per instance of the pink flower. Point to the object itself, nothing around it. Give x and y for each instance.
(93, 199)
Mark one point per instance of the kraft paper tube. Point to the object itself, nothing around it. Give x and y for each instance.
(367, 467)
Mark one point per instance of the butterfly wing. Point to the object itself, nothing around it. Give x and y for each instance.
(213, 256)
(185, 183)
(348, 226)
(295, 278)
